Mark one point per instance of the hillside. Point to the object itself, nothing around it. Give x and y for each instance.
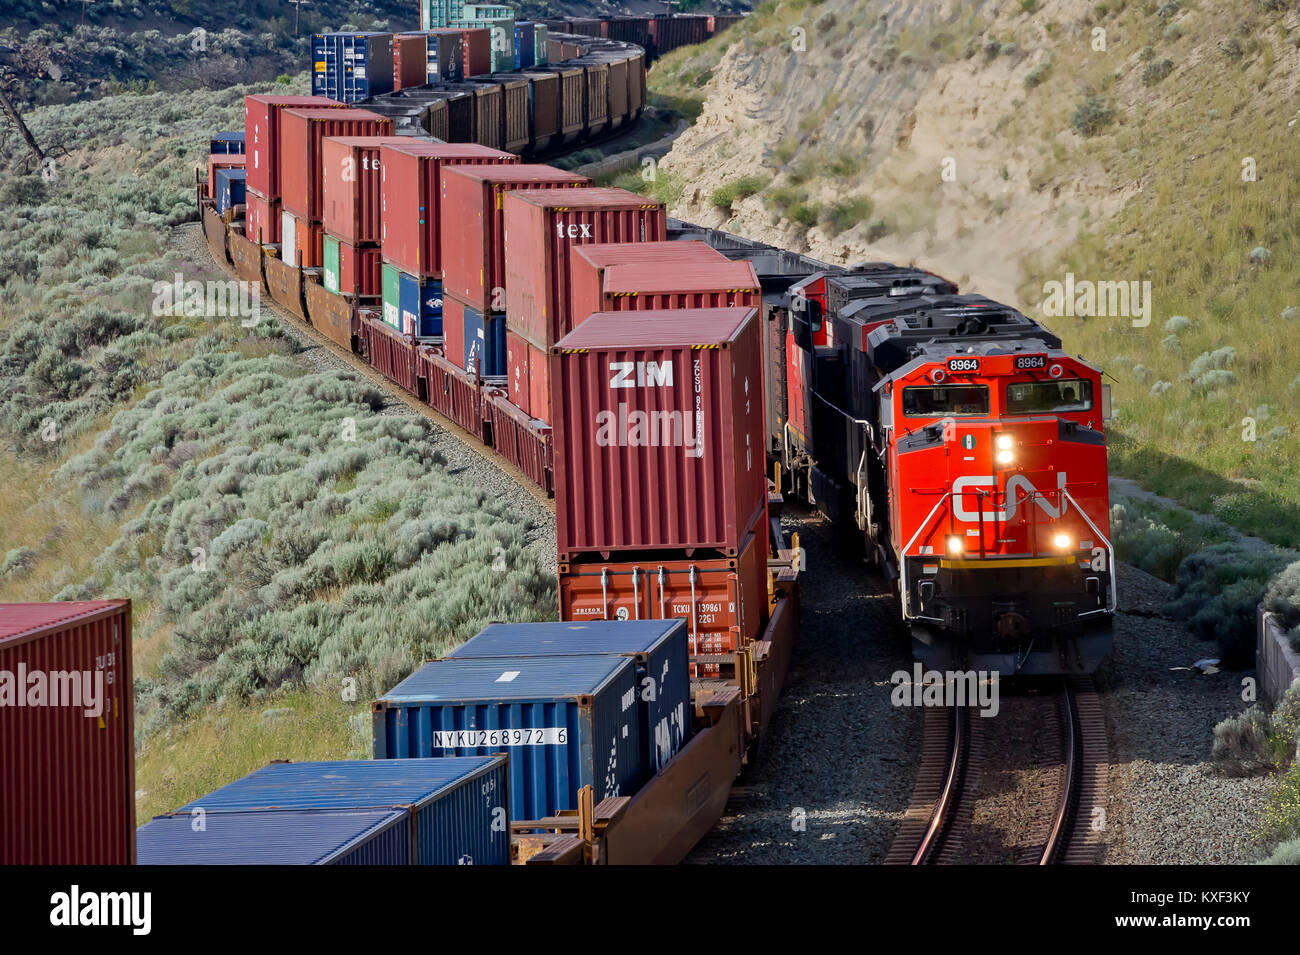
(1008, 144)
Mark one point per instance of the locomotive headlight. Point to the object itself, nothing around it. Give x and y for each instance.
(1005, 456)
(955, 545)
(1004, 442)
(1062, 541)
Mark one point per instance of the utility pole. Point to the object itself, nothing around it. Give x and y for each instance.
(83, 10)
(8, 108)
(297, 12)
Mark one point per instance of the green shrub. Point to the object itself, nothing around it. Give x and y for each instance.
(1156, 71)
(1092, 116)
(1286, 853)
(843, 216)
(1242, 744)
(805, 213)
(726, 196)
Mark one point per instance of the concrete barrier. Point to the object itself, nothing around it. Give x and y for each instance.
(1276, 665)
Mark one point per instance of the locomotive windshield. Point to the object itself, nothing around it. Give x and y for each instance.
(1036, 397)
(926, 402)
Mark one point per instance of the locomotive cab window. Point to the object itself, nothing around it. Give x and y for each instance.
(942, 400)
(1037, 397)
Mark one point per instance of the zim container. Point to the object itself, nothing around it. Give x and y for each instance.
(659, 438)
(261, 218)
(588, 264)
(564, 722)
(230, 187)
(723, 600)
(67, 741)
(285, 837)
(262, 115)
(473, 252)
(659, 647)
(541, 231)
(349, 269)
(411, 199)
(455, 807)
(350, 184)
(302, 133)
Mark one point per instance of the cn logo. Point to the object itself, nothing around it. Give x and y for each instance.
(644, 374)
(1016, 484)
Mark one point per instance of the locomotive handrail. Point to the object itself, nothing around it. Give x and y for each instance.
(903, 586)
(1112, 600)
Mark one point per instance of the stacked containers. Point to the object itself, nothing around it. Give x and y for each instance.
(261, 218)
(303, 133)
(410, 61)
(226, 144)
(454, 809)
(229, 190)
(565, 722)
(659, 648)
(352, 66)
(410, 224)
(438, 13)
(641, 286)
(68, 769)
(500, 42)
(262, 118)
(474, 255)
(541, 234)
(660, 455)
(350, 212)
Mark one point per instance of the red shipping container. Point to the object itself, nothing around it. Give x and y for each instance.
(477, 46)
(722, 599)
(645, 286)
(410, 193)
(539, 380)
(473, 246)
(302, 243)
(518, 384)
(410, 61)
(67, 738)
(301, 133)
(542, 230)
(223, 161)
(350, 184)
(262, 136)
(360, 270)
(659, 431)
(453, 330)
(588, 263)
(261, 216)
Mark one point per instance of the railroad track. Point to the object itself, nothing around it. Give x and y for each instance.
(956, 745)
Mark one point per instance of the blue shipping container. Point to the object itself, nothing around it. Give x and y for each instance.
(349, 67)
(457, 807)
(230, 187)
(485, 343)
(226, 144)
(421, 306)
(525, 45)
(661, 651)
(565, 722)
(316, 837)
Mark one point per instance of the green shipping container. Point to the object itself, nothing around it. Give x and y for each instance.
(392, 296)
(539, 44)
(331, 278)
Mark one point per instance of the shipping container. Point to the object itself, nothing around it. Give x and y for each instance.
(483, 11)
(446, 56)
(226, 144)
(646, 286)
(261, 218)
(67, 739)
(455, 807)
(473, 252)
(303, 132)
(222, 161)
(473, 339)
(412, 306)
(500, 43)
(302, 243)
(452, 392)
(411, 199)
(525, 45)
(350, 67)
(286, 837)
(517, 379)
(410, 61)
(438, 13)
(540, 44)
(541, 231)
(519, 438)
(230, 184)
(351, 185)
(262, 130)
(539, 371)
(659, 439)
(566, 722)
(722, 599)
(476, 47)
(588, 263)
(543, 109)
(659, 647)
(352, 270)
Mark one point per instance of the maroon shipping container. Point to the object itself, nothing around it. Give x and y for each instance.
(644, 286)
(262, 136)
(588, 263)
(302, 132)
(67, 779)
(518, 381)
(539, 380)
(360, 270)
(410, 192)
(519, 439)
(302, 243)
(410, 61)
(261, 217)
(350, 185)
(477, 46)
(389, 352)
(542, 229)
(452, 392)
(659, 440)
(473, 247)
(453, 331)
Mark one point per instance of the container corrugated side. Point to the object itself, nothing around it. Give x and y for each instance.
(286, 837)
(564, 722)
(351, 184)
(659, 439)
(67, 780)
(642, 286)
(262, 136)
(302, 132)
(588, 264)
(660, 648)
(457, 805)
